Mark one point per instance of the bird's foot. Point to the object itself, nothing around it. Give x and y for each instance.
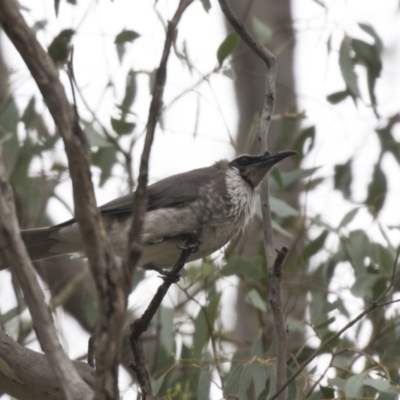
(190, 243)
(167, 276)
(170, 277)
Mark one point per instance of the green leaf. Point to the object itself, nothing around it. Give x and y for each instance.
(327, 392)
(306, 136)
(230, 73)
(91, 308)
(206, 5)
(325, 324)
(315, 245)
(340, 383)
(280, 230)
(272, 379)
(281, 208)
(363, 284)
(358, 247)
(130, 90)
(232, 383)
(122, 127)
(156, 385)
(369, 56)
(126, 36)
(347, 67)
(377, 189)
(296, 175)
(13, 313)
(56, 6)
(337, 97)
(348, 217)
(388, 396)
(94, 137)
(254, 298)
(383, 257)
(60, 47)
(371, 31)
(242, 266)
(343, 178)
(259, 378)
(262, 32)
(328, 307)
(227, 46)
(244, 381)
(201, 334)
(167, 329)
(203, 324)
(379, 384)
(105, 158)
(9, 116)
(203, 387)
(121, 39)
(354, 386)
(39, 25)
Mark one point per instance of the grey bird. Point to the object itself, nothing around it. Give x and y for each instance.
(217, 202)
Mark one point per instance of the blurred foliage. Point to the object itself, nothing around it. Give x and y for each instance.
(196, 349)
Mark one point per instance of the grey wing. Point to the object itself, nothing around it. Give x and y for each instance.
(174, 191)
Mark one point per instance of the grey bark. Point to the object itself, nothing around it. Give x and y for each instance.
(28, 375)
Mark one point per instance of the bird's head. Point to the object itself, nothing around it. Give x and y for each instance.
(254, 168)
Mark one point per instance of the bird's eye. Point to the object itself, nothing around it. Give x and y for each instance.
(244, 160)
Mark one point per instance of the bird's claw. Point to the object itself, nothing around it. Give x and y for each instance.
(190, 243)
(167, 276)
(170, 277)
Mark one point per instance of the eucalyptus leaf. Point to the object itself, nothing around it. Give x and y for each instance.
(354, 386)
(227, 46)
(254, 298)
(348, 217)
(203, 387)
(232, 383)
(377, 189)
(122, 127)
(206, 5)
(347, 67)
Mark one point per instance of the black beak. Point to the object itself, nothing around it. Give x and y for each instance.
(271, 159)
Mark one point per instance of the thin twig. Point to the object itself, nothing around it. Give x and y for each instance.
(140, 201)
(140, 325)
(275, 277)
(263, 129)
(331, 339)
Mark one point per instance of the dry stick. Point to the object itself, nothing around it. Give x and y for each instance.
(265, 121)
(275, 278)
(103, 263)
(328, 341)
(18, 258)
(140, 201)
(141, 324)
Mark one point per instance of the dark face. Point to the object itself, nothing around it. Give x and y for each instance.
(254, 168)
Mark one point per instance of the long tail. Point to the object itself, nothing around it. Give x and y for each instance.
(45, 242)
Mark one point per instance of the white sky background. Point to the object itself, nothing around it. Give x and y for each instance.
(342, 130)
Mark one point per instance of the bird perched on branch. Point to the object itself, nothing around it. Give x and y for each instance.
(215, 202)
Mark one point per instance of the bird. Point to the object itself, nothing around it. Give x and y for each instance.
(216, 202)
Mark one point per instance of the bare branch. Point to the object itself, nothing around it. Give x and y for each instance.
(275, 277)
(265, 121)
(20, 380)
(331, 339)
(140, 325)
(104, 265)
(17, 257)
(140, 202)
